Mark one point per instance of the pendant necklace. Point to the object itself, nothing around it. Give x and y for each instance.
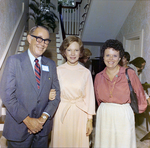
(111, 91)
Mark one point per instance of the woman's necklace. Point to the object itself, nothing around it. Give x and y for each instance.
(111, 91)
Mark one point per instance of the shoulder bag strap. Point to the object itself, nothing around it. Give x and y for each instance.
(129, 82)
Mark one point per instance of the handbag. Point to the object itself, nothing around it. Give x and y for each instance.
(134, 101)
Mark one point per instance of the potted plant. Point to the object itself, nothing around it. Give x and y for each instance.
(42, 15)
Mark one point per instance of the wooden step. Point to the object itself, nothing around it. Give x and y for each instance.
(1, 132)
(2, 119)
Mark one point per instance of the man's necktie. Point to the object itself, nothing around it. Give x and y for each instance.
(37, 72)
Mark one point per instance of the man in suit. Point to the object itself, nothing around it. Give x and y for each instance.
(29, 111)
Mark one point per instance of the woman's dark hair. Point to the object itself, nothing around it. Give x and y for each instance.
(115, 44)
(137, 62)
(127, 56)
(66, 43)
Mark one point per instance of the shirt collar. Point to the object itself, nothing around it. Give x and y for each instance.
(121, 71)
(32, 58)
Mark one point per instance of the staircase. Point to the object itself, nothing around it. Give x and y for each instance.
(51, 49)
(2, 120)
(23, 44)
(60, 59)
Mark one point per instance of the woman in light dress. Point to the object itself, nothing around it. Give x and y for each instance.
(73, 119)
(115, 125)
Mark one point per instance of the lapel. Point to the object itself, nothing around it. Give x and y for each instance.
(29, 73)
(28, 70)
(44, 74)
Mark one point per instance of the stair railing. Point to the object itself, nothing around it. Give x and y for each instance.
(72, 19)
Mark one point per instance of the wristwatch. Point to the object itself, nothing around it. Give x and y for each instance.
(44, 116)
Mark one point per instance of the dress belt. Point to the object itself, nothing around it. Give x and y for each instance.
(68, 105)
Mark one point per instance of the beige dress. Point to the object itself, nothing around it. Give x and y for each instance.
(77, 104)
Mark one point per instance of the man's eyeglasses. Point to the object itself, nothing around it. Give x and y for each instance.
(40, 40)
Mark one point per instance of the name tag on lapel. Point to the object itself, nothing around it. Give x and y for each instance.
(45, 68)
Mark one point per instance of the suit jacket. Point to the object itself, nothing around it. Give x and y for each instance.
(20, 95)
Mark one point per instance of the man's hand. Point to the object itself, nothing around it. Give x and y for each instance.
(33, 125)
(29, 131)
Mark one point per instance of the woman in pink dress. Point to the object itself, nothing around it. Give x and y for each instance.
(115, 125)
(73, 119)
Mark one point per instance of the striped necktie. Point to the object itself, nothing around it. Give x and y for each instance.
(37, 72)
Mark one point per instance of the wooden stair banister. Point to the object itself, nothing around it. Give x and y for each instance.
(60, 7)
(61, 21)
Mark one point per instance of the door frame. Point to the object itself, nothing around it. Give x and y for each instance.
(134, 36)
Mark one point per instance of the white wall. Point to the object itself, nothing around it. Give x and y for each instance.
(13, 19)
(138, 19)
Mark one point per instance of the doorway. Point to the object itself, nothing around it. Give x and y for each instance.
(133, 43)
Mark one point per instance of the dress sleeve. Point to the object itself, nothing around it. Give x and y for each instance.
(96, 88)
(138, 89)
(89, 96)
